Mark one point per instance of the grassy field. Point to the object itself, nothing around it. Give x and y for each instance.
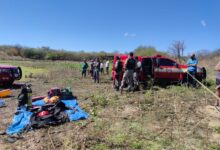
(174, 117)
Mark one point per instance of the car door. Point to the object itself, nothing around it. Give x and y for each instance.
(167, 69)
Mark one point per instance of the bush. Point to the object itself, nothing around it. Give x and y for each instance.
(147, 51)
(33, 53)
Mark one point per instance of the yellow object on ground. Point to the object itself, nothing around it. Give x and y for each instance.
(5, 93)
(53, 99)
(46, 99)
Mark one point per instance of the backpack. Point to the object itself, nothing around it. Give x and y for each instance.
(131, 64)
(55, 115)
(24, 98)
(119, 67)
(66, 93)
(54, 92)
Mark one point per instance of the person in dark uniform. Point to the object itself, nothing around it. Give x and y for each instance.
(118, 72)
(130, 65)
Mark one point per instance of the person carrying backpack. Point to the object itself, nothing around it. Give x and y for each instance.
(118, 72)
(130, 65)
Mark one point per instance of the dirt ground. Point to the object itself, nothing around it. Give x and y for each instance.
(174, 117)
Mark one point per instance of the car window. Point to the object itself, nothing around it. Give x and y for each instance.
(2, 70)
(15, 70)
(146, 62)
(166, 62)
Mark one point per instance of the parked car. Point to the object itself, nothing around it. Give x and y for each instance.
(8, 74)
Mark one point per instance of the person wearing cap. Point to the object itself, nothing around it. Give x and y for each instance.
(192, 68)
(130, 65)
(217, 68)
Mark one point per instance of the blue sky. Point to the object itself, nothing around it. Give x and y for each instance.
(110, 25)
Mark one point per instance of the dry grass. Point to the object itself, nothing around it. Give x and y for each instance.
(159, 118)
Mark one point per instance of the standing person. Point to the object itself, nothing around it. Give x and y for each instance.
(118, 72)
(130, 65)
(102, 67)
(107, 66)
(92, 68)
(96, 70)
(136, 73)
(217, 68)
(84, 68)
(192, 68)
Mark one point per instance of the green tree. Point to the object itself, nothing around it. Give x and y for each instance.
(145, 51)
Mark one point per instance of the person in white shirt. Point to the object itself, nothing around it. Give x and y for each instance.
(136, 74)
(102, 67)
(107, 66)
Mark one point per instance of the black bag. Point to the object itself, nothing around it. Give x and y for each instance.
(66, 94)
(56, 116)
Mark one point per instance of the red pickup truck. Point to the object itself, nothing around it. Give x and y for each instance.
(161, 69)
(8, 74)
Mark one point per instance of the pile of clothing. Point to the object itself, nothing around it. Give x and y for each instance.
(58, 107)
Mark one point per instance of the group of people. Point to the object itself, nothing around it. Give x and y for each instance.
(192, 67)
(128, 74)
(95, 68)
(132, 67)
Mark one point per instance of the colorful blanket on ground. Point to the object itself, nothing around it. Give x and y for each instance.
(22, 117)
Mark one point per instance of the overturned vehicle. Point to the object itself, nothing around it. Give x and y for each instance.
(159, 69)
(8, 74)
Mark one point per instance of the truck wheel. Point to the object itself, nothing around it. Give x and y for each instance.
(184, 80)
(204, 73)
(20, 73)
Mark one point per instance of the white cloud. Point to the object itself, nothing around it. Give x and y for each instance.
(126, 34)
(203, 23)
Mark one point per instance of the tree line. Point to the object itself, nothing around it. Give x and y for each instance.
(46, 53)
(176, 50)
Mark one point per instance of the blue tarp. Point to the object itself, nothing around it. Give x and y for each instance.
(2, 103)
(22, 117)
(20, 121)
